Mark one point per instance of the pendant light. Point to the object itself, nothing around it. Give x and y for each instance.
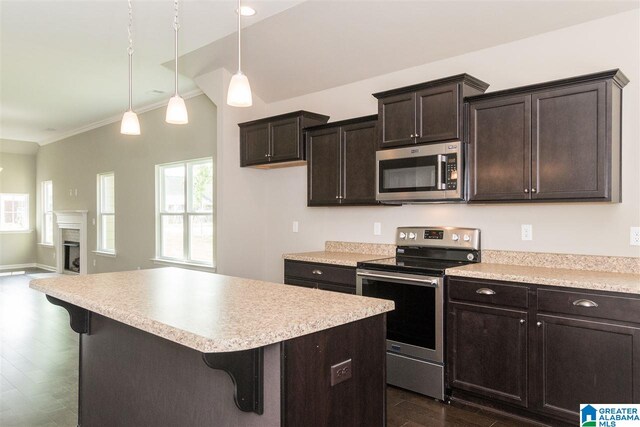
(239, 94)
(130, 124)
(176, 110)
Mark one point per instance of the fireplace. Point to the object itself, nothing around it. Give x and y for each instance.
(71, 242)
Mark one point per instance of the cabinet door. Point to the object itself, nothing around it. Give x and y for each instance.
(569, 143)
(323, 167)
(488, 352)
(254, 144)
(500, 149)
(359, 144)
(438, 114)
(397, 116)
(581, 361)
(285, 140)
(299, 282)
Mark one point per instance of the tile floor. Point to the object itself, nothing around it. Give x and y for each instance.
(39, 369)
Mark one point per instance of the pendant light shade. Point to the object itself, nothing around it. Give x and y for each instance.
(239, 94)
(130, 124)
(176, 109)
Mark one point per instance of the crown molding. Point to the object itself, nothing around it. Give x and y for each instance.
(114, 119)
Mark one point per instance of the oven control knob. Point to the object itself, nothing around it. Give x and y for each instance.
(455, 237)
(403, 235)
(413, 236)
(466, 238)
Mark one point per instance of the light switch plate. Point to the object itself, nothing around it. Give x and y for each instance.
(295, 226)
(377, 228)
(527, 232)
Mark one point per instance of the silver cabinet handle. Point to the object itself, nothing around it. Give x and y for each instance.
(317, 272)
(526, 190)
(538, 324)
(485, 291)
(522, 321)
(584, 303)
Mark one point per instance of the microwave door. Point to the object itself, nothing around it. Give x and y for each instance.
(412, 178)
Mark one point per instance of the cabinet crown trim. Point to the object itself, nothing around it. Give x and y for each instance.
(616, 75)
(337, 124)
(458, 78)
(298, 113)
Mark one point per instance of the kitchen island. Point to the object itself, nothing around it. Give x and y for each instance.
(169, 347)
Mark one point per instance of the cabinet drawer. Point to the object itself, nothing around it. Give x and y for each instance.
(488, 292)
(321, 272)
(590, 305)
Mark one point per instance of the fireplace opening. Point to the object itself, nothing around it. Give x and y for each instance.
(72, 256)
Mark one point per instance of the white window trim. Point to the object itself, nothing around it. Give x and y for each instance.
(44, 242)
(186, 215)
(28, 229)
(99, 214)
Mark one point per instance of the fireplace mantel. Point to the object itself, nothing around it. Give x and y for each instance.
(71, 220)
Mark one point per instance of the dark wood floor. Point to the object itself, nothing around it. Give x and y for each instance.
(39, 362)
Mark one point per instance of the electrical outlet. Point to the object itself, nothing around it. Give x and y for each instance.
(295, 226)
(634, 236)
(93, 221)
(527, 232)
(377, 229)
(94, 262)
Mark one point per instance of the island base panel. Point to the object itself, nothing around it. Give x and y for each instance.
(132, 378)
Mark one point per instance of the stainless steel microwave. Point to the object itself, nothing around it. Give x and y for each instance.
(420, 173)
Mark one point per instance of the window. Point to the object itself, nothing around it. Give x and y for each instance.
(185, 211)
(106, 213)
(47, 212)
(14, 212)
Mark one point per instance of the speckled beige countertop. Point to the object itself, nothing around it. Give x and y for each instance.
(345, 253)
(574, 278)
(210, 312)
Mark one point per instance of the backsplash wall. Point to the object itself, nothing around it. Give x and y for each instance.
(582, 228)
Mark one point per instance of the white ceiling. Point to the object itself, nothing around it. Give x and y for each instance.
(63, 64)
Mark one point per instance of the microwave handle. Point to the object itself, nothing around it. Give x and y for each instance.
(441, 179)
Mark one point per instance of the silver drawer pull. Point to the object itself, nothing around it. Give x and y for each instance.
(485, 291)
(318, 272)
(584, 303)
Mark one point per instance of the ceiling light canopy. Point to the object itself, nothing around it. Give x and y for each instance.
(239, 94)
(130, 124)
(176, 109)
(246, 11)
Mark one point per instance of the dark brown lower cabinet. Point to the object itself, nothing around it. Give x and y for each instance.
(488, 351)
(560, 348)
(327, 277)
(585, 361)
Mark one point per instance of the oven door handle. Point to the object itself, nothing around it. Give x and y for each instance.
(416, 281)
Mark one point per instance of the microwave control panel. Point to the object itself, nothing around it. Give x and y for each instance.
(452, 171)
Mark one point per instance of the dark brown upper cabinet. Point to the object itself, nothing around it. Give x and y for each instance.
(276, 141)
(555, 141)
(341, 159)
(426, 112)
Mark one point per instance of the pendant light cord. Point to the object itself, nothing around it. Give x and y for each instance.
(176, 27)
(239, 38)
(130, 52)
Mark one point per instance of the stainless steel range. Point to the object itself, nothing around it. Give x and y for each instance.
(414, 280)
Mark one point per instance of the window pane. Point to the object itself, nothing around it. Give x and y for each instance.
(172, 236)
(108, 233)
(48, 196)
(48, 228)
(201, 238)
(173, 188)
(15, 212)
(107, 193)
(201, 197)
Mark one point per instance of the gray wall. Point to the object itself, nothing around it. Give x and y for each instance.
(19, 176)
(73, 163)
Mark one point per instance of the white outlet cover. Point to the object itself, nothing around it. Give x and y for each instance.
(634, 236)
(527, 232)
(295, 226)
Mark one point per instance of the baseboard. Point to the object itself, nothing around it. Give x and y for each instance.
(17, 266)
(46, 267)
